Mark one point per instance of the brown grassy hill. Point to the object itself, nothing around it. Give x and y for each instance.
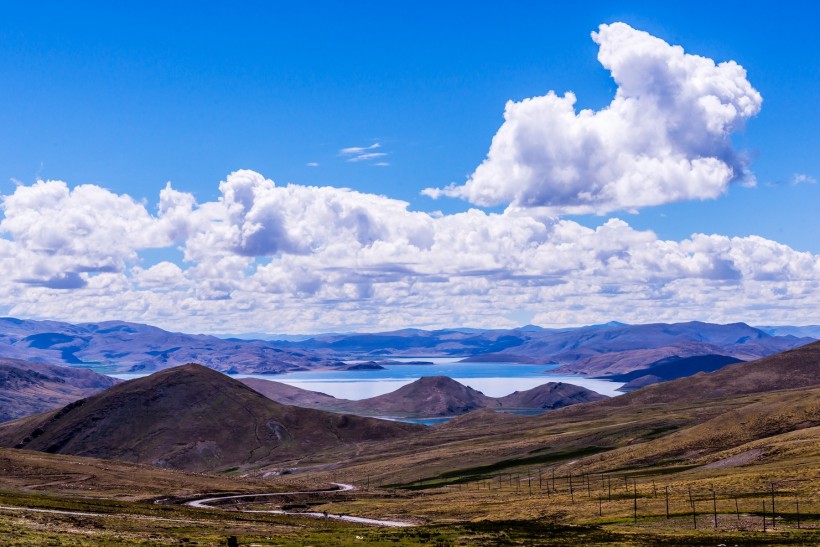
(795, 368)
(428, 396)
(486, 440)
(191, 418)
(28, 388)
(772, 415)
(550, 396)
(78, 477)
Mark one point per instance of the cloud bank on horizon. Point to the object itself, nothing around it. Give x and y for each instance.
(300, 258)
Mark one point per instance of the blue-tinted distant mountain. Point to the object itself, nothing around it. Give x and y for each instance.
(807, 331)
(672, 368)
(599, 350)
(131, 347)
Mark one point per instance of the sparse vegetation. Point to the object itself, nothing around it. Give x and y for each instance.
(705, 467)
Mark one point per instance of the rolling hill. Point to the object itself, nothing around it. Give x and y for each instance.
(550, 396)
(672, 368)
(793, 369)
(191, 418)
(428, 397)
(28, 388)
(698, 417)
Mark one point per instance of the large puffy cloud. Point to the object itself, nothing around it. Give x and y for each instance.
(305, 259)
(665, 137)
(64, 234)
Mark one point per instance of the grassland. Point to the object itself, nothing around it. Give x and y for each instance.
(725, 466)
(504, 503)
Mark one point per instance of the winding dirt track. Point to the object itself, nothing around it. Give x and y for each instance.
(208, 503)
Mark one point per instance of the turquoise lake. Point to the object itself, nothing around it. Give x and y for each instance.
(493, 379)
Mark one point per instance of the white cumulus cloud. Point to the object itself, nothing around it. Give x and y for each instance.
(665, 137)
(299, 258)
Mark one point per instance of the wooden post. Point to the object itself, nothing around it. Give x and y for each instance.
(764, 514)
(667, 501)
(714, 506)
(529, 481)
(571, 491)
(737, 510)
(601, 508)
(540, 487)
(589, 490)
(774, 523)
(692, 503)
(654, 490)
(635, 500)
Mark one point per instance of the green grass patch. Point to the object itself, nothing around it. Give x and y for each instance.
(483, 472)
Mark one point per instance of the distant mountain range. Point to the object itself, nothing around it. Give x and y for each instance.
(807, 331)
(431, 396)
(598, 350)
(117, 346)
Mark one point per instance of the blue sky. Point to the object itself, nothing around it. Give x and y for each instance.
(126, 97)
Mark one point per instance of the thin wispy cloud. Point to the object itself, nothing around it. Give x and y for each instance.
(365, 157)
(353, 150)
(796, 178)
(356, 154)
(312, 164)
(802, 178)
